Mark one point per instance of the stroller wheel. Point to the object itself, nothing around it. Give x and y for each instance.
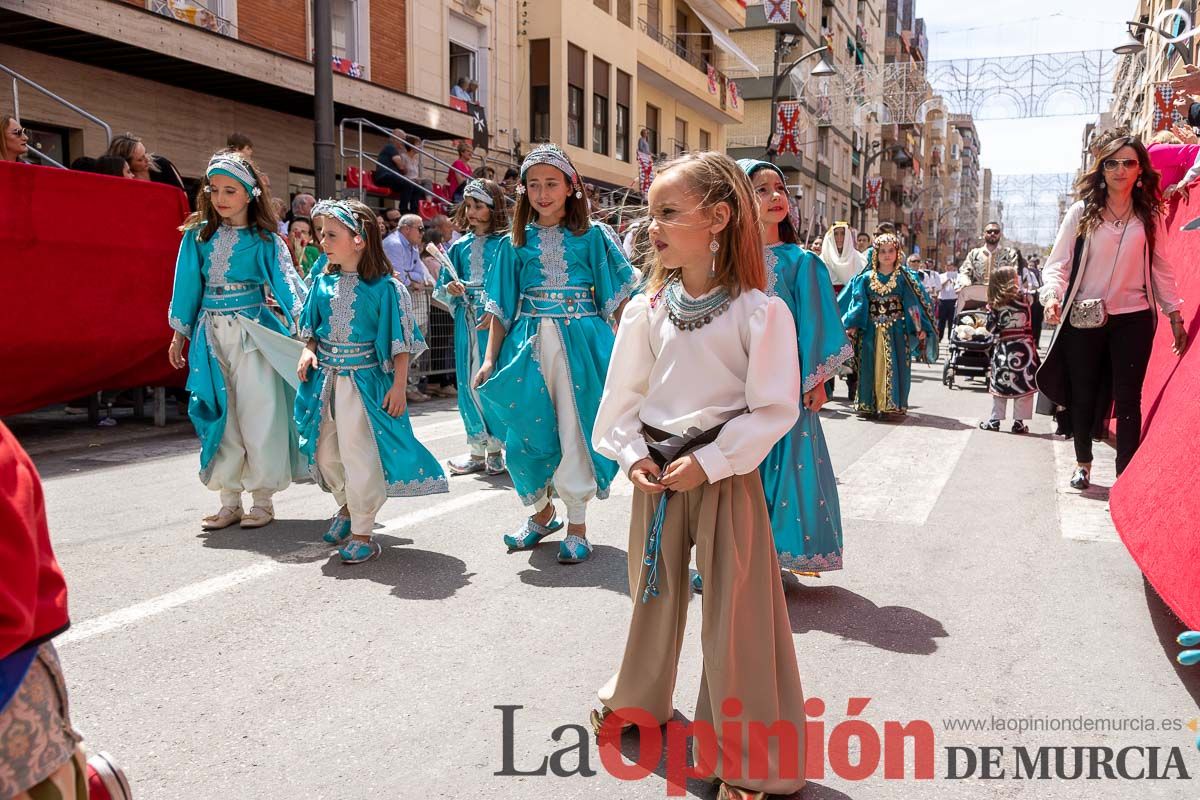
(948, 376)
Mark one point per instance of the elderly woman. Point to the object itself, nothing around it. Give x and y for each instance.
(15, 141)
(1102, 280)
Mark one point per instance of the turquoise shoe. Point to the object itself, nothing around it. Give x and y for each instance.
(356, 552)
(697, 584)
(339, 530)
(574, 550)
(530, 533)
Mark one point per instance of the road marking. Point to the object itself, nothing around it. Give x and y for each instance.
(122, 618)
(925, 454)
(1084, 516)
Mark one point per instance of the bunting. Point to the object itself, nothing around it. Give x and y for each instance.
(778, 12)
(874, 184)
(645, 171)
(1165, 114)
(733, 95)
(712, 79)
(789, 127)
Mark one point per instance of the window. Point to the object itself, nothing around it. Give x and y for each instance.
(576, 68)
(622, 137)
(600, 95)
(539, 90)
(681, 32)
(680, 135)
(602, 5)
(624, 12)
(654, 17)
(705, 141)
(345, 29)
(462, 63)
(652, 120)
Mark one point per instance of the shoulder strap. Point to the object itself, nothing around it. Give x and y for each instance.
(1074, 267)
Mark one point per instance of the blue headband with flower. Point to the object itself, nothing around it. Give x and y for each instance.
(342, 212)
(234, 166)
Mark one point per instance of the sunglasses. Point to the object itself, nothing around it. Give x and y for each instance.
(1111, 164)
(993, 230)
(22, 132)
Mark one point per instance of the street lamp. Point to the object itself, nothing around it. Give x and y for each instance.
(1133, 45)
(822, 70)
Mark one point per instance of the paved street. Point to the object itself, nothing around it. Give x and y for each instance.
(252, 665)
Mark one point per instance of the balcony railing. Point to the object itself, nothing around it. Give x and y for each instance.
(192, 13)
(690, 56)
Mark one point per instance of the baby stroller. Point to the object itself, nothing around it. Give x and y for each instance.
(970, 342)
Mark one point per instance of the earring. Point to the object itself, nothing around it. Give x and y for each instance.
(1139, 181)
(713, 247)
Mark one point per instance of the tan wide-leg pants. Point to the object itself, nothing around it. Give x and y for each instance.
(746, 635)
(253, 454)
(348, 456)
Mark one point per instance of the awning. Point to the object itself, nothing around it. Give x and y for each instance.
(725, 43)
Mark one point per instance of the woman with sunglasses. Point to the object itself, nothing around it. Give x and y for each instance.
(15, 140)
(1102, 281)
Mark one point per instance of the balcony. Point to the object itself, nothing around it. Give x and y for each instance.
(192, 13)
(823, 174)
(659, 64)
(729, 14)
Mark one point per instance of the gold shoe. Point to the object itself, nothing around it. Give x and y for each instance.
(228, 515)
(598, 718)
(729, 792)
(258, 517)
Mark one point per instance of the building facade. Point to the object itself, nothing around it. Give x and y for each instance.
(593, 73)
(1138, 74)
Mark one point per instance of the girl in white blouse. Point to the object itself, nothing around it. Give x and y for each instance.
(703, 381)
(1102, 280)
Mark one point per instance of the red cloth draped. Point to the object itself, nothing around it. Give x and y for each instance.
(1154, 505)
(89, 263)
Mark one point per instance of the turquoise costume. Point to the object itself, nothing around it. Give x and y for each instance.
(360, 326)
(231, 274)
(888, 313)
(797, 474)
(577, 283)
(472, 257)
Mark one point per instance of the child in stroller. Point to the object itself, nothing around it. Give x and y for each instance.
(970, 340)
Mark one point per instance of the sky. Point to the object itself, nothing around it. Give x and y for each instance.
(970, 29)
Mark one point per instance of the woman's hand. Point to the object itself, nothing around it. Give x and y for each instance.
(395, 401)
(684, 474)
(644, 475)
(1186, 133)
(308, 361)
(485, 372)
(1179, 331)
(816, 397)
(456, 289)
(1053, 313)
(175, 351)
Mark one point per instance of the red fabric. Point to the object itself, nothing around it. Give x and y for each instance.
(90, 260)
(453, 178)
(33, 593)
(1172, 161)
(1154, 505)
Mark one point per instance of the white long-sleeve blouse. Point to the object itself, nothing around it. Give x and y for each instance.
(1105, 253)
(745, 360)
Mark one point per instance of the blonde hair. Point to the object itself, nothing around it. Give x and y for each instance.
(1165, 137)
(738, 262)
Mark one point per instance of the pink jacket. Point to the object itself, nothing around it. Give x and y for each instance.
(1174, 161)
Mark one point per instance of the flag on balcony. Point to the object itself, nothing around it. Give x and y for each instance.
(1165, 114)
(645, 171)
(779, 12)
(873, 186)
(789, 127)
(347, 67)
(712, 79)
(733, 95)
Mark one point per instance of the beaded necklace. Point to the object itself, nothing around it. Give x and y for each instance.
(687, 314)
(882, 287)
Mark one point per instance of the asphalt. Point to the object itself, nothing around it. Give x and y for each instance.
(252, 664)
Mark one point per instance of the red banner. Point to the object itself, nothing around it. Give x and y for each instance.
(645, 171)
(733, 95)
(88, 304)
(778, 12)
(789, 127)
(874, 184)
(712, 79)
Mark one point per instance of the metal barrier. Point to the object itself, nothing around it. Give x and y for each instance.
(363, 157)
(18, 78)
(437, 326)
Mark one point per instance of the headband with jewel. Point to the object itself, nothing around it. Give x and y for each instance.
(476, 190)
(233, 166)
(341, 211)
(554, 156)
(753, 165)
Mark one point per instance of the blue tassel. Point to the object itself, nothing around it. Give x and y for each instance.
(1188, 658)
(1189, 638)
(653, 547)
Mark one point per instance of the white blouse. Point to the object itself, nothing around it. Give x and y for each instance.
(677, 381)
(1106, 253)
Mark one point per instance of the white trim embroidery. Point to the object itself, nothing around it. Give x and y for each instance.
(553, 256)
(223, 242)
(341, 306)
(771, 259)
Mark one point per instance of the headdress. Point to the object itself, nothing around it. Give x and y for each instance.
(234, 166)
(476, 190)
(753, 165)
(843, 263)
(341, 211)
(553, 155)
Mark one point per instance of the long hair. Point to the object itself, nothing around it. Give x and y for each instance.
(1002, 286)
(499, 207)
(373, 263)
(124, 145)
(738, 262)
(260, 213)
(1092, 190)
(575, 215)
(4, 123)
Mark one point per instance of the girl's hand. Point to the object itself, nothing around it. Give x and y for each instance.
(1179, 331)
(395, 401)
(1053, 314)
(644, 476)
(484, 323)
(684, 474)
(175, 352)
(455, 288)
(485, 372)
(816, 397)
(308, 361)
